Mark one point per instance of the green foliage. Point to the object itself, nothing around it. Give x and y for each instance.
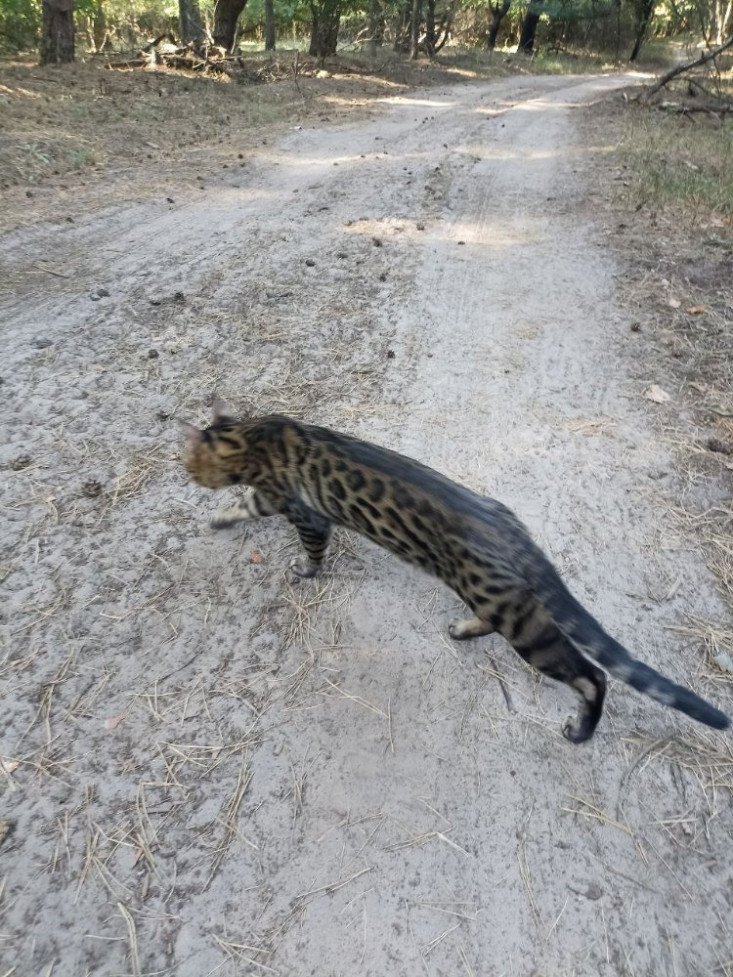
(287, 12)
(20, 25)
(574, 11)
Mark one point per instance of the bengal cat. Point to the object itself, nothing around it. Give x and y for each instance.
(316, 478)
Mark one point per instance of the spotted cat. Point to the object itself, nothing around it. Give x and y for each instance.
(317, 478)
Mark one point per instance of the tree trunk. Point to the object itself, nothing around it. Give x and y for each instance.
(57, 33)
(430, 29)
(646, 11)
(226, 15)
(189, 20)
(402, 34)
(269, 25)
(97, 28)
(324, 28)
(529, 27)
(376, 27)
(723, 22)
(415, 30)
(498, 12)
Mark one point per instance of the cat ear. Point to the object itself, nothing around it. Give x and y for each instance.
(222, 409)
(193, 435)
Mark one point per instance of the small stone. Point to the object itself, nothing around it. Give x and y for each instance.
(179, 297)
(377, 242)
(390, 354)
(635, 327)
(42, 343)
(420, 226)
(153, 354)
(310, 262)
(21, 462)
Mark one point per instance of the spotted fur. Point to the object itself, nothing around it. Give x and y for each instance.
(316, 478)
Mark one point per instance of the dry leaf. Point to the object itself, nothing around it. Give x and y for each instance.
(9, 766)
(114, 721)
(695, 310)
(674, 303)
(256, 557)
(656, 394)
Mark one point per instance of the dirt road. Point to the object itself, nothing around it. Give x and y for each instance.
(210, 771)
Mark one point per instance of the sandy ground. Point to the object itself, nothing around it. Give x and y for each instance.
(210, 771)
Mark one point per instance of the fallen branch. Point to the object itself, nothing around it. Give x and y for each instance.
(156, 42)
(686, 66)
(688, 109)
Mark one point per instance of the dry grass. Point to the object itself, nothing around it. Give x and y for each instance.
(682, 161)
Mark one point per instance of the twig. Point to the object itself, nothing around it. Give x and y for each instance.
(50, 271)
(132, 935)
(333, 886)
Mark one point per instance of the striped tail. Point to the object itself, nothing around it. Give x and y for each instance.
(588, 636)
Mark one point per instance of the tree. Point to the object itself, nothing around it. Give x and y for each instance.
(376, 27)
(644, 13)
(529, 26)
(430, 35)
(269, 25)
(498, 12)
(189, 18)
(226, 15)
(415, 29)
(57, 32)
(325, 18)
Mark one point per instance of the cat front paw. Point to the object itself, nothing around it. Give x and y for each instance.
(301, 568)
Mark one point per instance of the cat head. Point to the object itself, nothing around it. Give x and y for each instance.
(215, 457)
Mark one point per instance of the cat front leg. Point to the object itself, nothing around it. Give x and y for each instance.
(253, 505)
